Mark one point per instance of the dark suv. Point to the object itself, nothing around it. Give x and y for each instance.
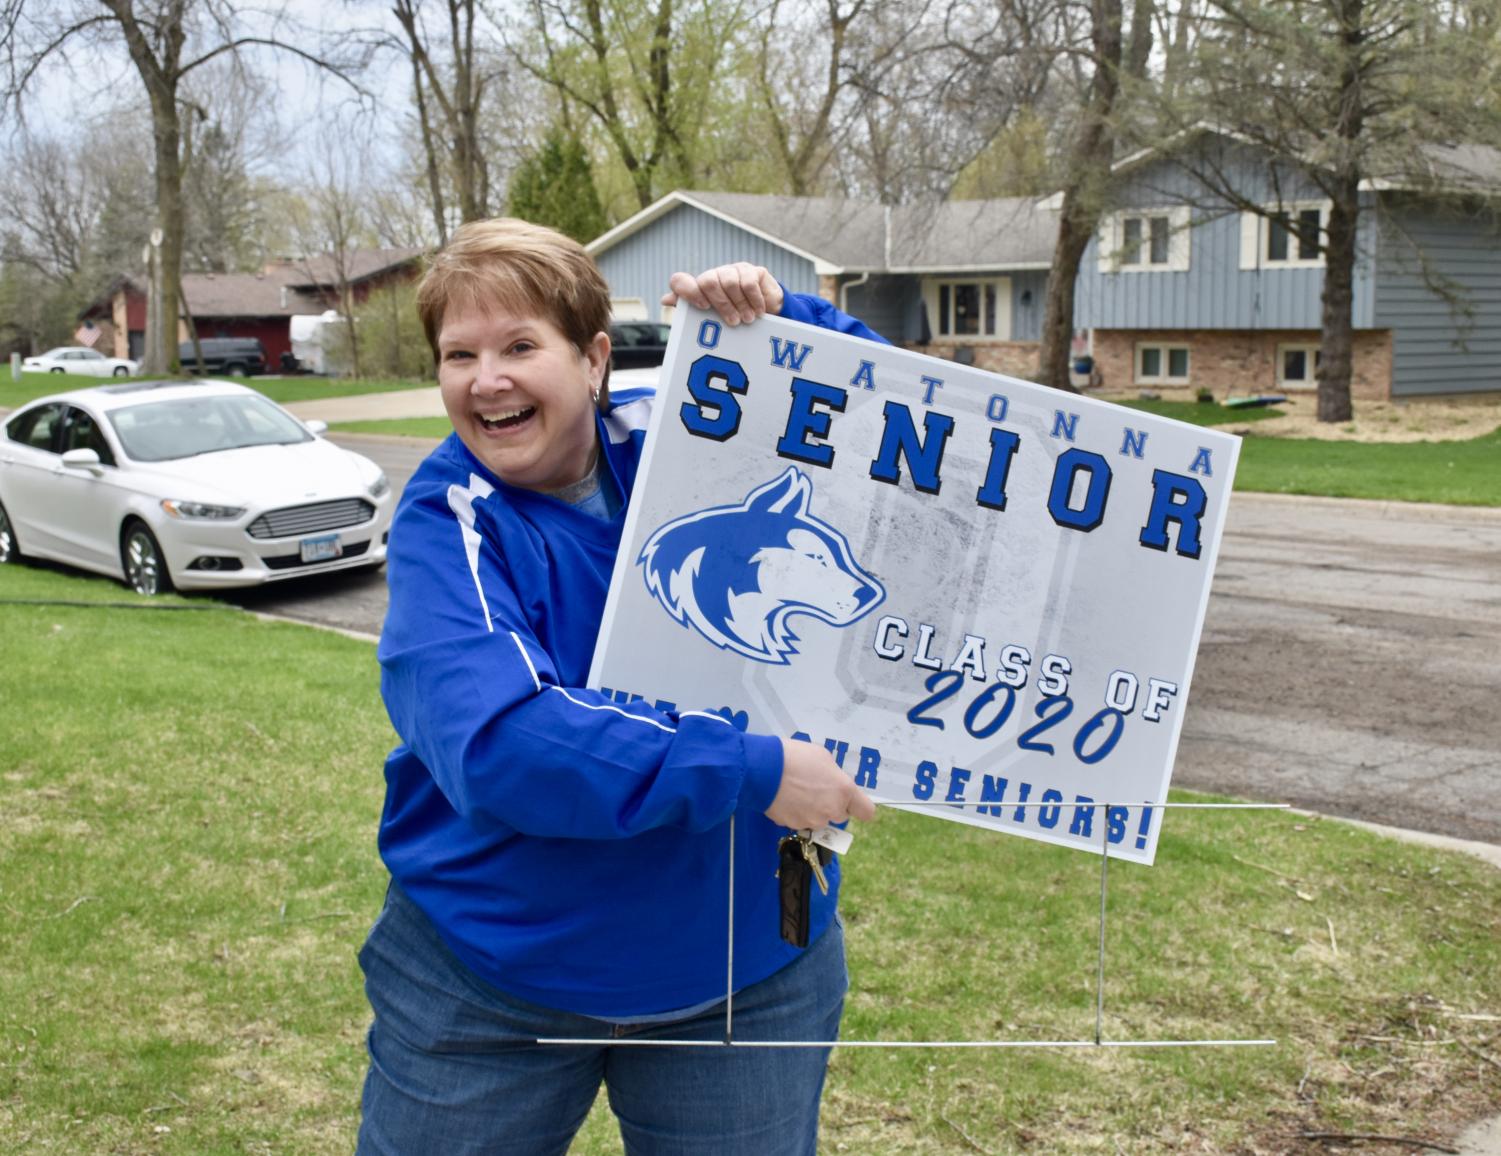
(235, 356)
(637, 344)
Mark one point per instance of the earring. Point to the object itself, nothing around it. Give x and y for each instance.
(594, 392)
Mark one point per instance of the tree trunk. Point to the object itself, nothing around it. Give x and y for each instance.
(1074, 231)
(1336, 365)
(1083, 194)
(161, 330)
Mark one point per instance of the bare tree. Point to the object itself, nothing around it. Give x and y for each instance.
(1084, 187)
(330, 226)
(449, 86)
(643, 70)
(167, 41)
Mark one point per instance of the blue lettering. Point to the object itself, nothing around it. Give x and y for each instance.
(789, 355)
(932, 383)
(996, 407)
(708, 333)
(1003, 446)
(1092, 512)
(922, 787)
(924, 455)
(864, 376)
(1065, 424)
(870, 762)
(701, 387)
(1143, 827)
(992, 791)
(958, 777)
(1048, 816)
(803, 421)
(1175, 498)
(837, 749)
(1083, 822)
(1023, 791)
(1202, 464)
(1134, 443)
(1115, 818)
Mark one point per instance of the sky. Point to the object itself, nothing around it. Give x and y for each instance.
(71, 93)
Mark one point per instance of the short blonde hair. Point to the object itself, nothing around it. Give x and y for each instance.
(522, 268)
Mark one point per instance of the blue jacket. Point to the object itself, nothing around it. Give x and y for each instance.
(569, 850)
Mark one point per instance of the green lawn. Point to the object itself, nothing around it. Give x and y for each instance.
(188, 808)
(1460, 473)
(407, 427)
(282, 390)
(1203, 412)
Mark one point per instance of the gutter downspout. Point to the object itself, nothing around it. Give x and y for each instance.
(844, 290)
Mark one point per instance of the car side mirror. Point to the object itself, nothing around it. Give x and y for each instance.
(83, 460)
(316, 428)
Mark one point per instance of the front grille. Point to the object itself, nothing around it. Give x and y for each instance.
(292, 561)
(314, 518)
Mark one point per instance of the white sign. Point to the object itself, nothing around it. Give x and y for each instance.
(973, 590)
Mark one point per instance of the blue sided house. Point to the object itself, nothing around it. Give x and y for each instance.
(1184, 288)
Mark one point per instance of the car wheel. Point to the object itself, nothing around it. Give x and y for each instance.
(9, 550)
(235, 370)
(57, 369)
(121, 371)
(145, 567)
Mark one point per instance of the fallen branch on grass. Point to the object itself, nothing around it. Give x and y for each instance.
(1415, 1141)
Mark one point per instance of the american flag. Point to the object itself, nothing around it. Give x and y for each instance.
(86, 334)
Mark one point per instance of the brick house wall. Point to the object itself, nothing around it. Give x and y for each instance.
(1014, 358)
(1239, 362)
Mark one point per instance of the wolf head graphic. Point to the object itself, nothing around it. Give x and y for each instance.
(737, 574)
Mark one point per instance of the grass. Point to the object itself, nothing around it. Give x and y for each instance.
(407, 427)
(188, 807)
(1203, 412)
(281, 390)
(1460, 473)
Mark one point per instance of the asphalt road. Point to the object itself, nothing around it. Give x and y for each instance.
(1350, 662)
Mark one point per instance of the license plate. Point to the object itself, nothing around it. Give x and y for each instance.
(321, 549)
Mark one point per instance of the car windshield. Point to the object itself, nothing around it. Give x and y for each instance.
(161, 431)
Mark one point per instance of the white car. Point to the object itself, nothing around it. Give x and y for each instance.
(197, 485)
(80, 359)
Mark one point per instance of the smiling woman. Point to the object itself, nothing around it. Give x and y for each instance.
(558, 860)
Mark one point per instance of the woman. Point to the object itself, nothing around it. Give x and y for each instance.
(559, 862)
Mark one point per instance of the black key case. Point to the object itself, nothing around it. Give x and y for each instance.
(795, 879)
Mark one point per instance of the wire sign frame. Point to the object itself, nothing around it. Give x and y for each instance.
(1099, 1040)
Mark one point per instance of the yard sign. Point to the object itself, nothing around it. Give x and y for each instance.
(973, 590)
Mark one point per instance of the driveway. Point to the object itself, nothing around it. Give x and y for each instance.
(1350, 662)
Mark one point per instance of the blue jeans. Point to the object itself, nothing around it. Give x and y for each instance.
(454, 1068)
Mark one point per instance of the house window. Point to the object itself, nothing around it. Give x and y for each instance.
(1150, 240)
(973, 310)
(1293, 236)
(1297, 366)
(1144, 241)
(1162, 365)
(1286, 236)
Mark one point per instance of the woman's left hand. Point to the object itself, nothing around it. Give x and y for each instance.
(739, 293)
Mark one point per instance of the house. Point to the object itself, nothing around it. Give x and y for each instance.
(258, 305)
(1180, 289)
(1183, 287)
(962, 280)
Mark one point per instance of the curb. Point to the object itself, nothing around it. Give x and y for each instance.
(1384, 508)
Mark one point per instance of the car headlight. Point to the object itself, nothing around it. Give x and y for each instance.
(378, 487)
(200, 510)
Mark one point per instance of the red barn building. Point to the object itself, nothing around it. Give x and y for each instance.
(256, 305)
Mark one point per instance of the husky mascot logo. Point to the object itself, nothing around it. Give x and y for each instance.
(737, 574)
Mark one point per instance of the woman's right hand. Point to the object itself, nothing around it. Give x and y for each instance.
(814, 791)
